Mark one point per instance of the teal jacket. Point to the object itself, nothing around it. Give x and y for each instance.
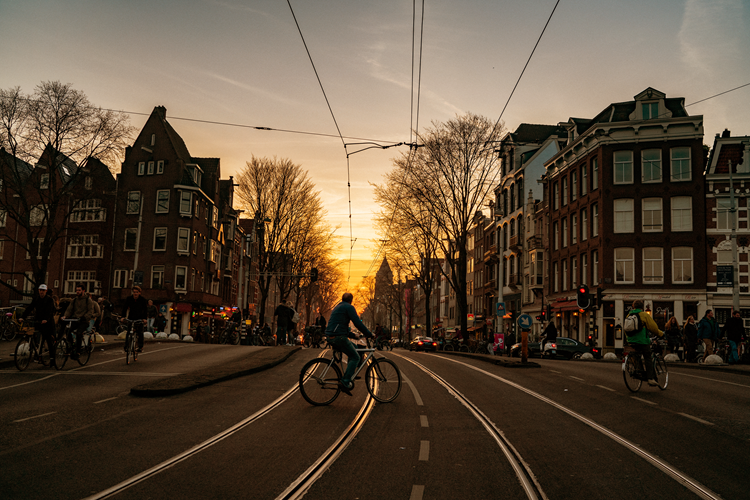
(338, 323)
(708, 329)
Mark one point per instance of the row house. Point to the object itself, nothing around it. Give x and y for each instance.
(627, 217)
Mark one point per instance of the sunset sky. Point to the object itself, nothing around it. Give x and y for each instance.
(245, 63)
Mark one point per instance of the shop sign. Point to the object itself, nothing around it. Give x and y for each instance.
(183, 307)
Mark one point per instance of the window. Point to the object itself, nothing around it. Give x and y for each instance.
(573, 229)
(134, 202)
(88, 211)
(682, 265)
(573, 272)
(215, 251)
(584, 268)
(682, 213)
(192, 279)
(557, 278)
(624, 215)
(624, 265)
(594, 220)
(150, 170)
(183, 240)
(651, 165)
(36, 248)
(584, 225)
(186, 200)
(180, 278)
(131, 235)
(85, 246)
(623, 173)
(142, 168)
(594, 174)
(162, 201)
(86, 278)
(160, 167)
(197, 208)
(44, 181)
(195, 242)
(681, 164)
(88, 183)
(37, 215)
(215, 218)
(653, 265)
(652, 215)
(121, 278)
(584, 180)
(160, 238)
(573, 186)
(650, 110)
(153, 139)
(724, 257)
(565, 191)
(2, 248)
(157, 276)
(564, 275)
(565, 233)
(595, 267)
(555, 236)
(556, 196)
(723, 213)
(3, 217)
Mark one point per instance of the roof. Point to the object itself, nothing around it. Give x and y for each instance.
(536, 133)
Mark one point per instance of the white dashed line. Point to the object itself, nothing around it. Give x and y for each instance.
(606, 388)
(104, 400)
(696, 419)
(644, 401)
(36, 416)
(424, 451)
(423, 420)
(417, 491)
(576, 378)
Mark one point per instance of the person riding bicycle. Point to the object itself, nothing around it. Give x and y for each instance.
(136, 309)
(81, 308)
(641, 341)
(45, 309)
(338, 335)
(380, 335)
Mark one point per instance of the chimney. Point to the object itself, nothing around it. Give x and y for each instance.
(726, 133)
(162, 111)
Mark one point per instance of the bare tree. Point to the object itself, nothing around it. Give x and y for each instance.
(49, 139)
(451, 177)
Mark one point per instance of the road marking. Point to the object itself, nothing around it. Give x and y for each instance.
(424, 451)
(417, 492)
(696, 419)
(104, 400)
(711, 379)
(414, 390)
(37, 416)
(423, 420)
(577, 378)
(606, 388)
(645, 401)
(555, 371)
(29, 382)
(127, 374)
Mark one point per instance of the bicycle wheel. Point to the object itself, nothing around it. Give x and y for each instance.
(129, 351)
(11, 331)
(45, 356)
(85, 353)
(383, 380)
(463, 348)
(62, 348)
(631, 373)
(662, 374)
(235, 339)
(319, 381)
(134, 345)
(23, 353)
(448, 347)
(224, 337)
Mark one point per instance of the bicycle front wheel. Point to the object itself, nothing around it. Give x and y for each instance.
(61, 353)
(319, 381)
(448, 348)
(463, 348)
(23, 354)
(86, 348)
(383, 380)
(662, 374)
(129, 351)
(631, 374)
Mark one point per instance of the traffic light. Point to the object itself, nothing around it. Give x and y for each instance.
(313, 275)
(583, 298)
(599, 293)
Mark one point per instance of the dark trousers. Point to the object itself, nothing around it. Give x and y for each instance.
(138, 330)
(343, 344)
(45, 332)
(645, 350)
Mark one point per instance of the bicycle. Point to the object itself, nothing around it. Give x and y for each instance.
(64, 344)
(131, 340)
(319, 379)
(384, 345)
(456, 345)
(10, 326)
(32, 347)
(634, 370)
(230, 335)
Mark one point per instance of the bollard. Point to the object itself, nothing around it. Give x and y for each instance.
(524, 346)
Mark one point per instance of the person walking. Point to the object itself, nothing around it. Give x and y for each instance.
(284, 315)
(734, 330)
(293, 320)
(690, 337)
(674, 337)
(338, 333)
(708, 332)
(151, 312)
(640, 340)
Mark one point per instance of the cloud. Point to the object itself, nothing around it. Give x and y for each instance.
(255, 90)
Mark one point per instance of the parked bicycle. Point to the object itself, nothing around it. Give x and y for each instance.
(32, 347)
(634, 367)
(230, 334)
(319, 378)
(455, 344)
(10, 326)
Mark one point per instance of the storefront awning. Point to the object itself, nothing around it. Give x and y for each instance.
(567, 305)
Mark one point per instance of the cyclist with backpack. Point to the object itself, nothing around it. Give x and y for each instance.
(637, 326)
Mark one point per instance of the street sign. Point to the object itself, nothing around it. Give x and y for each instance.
(724, 275)
(524, 322)
(470, 317)
(163, 308)
(500, 308)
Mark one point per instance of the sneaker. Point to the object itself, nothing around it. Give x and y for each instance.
(139, 349)
(346, 389)
(652, 382)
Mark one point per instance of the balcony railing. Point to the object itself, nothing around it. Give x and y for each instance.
(534, 243)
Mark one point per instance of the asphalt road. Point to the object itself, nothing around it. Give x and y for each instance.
(578, 431)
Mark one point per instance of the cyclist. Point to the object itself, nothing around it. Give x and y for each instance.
(380, 335)
(135, 309)
(81, 308)
(641, 341)
(338, 334)
(45, 308)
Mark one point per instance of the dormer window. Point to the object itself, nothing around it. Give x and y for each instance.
(196, 173)
(153, 139)
(650, 110)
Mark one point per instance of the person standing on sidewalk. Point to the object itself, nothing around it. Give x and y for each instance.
(734, 329)
(708, 332)
(690, 336)
(284, 315)
(151, 312)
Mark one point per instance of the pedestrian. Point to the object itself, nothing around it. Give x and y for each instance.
(284, 315)
(45, 309)
(734, 330)
(690, 337)
(640, 340)
(293, 320)
(674, 337)
(510, 342)
(151, 312)
(708, 332)
(106, 317)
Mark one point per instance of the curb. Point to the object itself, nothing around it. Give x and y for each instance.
(495, 360)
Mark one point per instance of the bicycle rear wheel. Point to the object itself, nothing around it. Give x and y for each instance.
(319, 381)
(463, 348)
(23, 354)
(448, 347)
(631, 373)
(62, 348)
(661, 371)
(11, 331)
(129, 351)
(383, 380)
(86, 348)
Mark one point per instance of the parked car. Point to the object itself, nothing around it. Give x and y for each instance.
(564, 347)
(423, 344)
